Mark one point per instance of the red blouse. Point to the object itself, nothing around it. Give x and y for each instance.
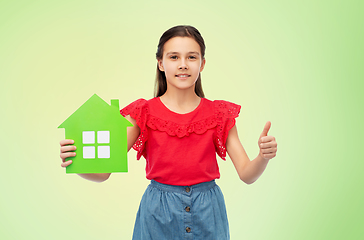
(180, 149)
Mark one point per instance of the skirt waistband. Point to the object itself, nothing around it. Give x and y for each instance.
(201, 187)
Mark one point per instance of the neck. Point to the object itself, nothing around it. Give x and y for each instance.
(181, 101)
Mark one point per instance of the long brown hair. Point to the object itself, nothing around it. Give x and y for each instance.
(178, 31)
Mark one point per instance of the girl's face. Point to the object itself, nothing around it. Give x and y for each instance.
(182, 62)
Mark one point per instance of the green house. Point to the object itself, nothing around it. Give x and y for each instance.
(99, 132)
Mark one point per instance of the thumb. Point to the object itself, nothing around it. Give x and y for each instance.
(266, 129)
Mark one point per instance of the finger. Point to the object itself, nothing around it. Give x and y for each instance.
(269, 156)
(65, 164)
(68, 148)
(267, 139)
(66, 142)
(268, 150)
(266, 129)
(270, 144)
(67, 155)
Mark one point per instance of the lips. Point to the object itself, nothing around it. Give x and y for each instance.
(183, 75)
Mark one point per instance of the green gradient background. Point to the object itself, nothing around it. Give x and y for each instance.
(297, 64)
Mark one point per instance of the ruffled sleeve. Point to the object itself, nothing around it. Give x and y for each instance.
(225, 113)
(140, 112)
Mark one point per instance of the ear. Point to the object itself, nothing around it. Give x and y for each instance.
(202, 64)
(160, 65)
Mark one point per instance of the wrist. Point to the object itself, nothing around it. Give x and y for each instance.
(261, 159)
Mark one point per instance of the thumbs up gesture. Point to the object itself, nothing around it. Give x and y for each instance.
(267, 144)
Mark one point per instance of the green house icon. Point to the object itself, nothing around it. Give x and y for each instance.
(99, 132)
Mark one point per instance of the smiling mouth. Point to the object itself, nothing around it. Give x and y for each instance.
(183, 75)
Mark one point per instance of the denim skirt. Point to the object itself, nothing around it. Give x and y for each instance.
(169, 212)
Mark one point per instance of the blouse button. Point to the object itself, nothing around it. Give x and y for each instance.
(188, 189)
(188, 229)
(188, 209)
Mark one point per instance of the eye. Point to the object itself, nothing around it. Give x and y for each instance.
(173, 57)
(192, 57)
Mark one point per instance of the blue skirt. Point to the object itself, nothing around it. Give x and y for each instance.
(169, 212)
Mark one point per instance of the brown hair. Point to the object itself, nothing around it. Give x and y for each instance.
(177, 31)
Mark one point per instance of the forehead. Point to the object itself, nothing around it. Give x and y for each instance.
(181, 45)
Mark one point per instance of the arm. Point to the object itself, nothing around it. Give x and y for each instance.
(250, 171)
(67, 148)
(132, 132)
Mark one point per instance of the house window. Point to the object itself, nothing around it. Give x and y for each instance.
(89, 152)
(90, 146)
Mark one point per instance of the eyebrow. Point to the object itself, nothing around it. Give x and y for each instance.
(171, 53)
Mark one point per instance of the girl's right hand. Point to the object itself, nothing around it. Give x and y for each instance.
(67, 151)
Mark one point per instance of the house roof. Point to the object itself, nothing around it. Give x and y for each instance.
(95, 112)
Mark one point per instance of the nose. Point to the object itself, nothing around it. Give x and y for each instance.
(183, 65)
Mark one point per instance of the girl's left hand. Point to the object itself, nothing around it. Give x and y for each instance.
(267, 144)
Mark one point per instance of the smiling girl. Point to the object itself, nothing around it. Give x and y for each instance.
(179, 132)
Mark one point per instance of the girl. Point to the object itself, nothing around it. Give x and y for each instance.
(179, 132)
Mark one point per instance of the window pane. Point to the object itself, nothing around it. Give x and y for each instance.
(103, 151)
(103, 137)
(88, 152)
(88, 137)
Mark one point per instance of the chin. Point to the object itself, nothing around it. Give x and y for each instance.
(182, 86)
